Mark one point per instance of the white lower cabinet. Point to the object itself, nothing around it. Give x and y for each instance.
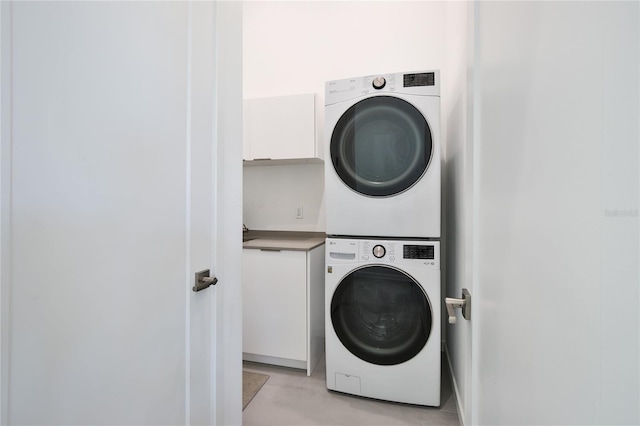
(283, 307)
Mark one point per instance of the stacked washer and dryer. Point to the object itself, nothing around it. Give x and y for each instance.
(382, 277)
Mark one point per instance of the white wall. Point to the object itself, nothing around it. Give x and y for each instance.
(556, 271)
(294, 47)
(273, 193)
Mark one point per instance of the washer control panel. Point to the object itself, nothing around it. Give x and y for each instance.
(419, 253)
(379, 251)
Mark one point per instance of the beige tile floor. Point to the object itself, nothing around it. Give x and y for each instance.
(291, 398)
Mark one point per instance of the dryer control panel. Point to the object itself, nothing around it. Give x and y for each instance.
(417, 253)
(424, 83)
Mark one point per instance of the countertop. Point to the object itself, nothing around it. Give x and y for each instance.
(282, 240)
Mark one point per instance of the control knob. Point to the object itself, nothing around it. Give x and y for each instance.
(379, 251)
(379, 82)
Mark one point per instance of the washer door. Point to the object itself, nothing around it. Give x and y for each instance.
(381, 146)
(381, 315)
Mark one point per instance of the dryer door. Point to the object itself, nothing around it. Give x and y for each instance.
(381, 315)
(381, 146)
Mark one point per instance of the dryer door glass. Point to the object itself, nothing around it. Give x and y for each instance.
(381, 146)
(381, 315)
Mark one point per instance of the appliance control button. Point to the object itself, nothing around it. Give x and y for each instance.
(379, 82)
(392, 258)
(365, 257)
(379, 251)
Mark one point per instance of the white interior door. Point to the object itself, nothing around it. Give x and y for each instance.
(543, 211)
(114, 147)
(555, 324)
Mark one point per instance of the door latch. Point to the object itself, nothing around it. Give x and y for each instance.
(203, 280)
(464, 303)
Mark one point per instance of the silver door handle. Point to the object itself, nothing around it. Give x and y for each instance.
(203, 280)
(464, 303)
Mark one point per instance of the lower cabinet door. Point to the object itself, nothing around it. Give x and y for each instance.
(274, 291)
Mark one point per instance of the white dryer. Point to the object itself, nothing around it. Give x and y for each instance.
(382, 155)
(382, 319)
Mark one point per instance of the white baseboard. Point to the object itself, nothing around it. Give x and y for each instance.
(456, 391)
(283, 362)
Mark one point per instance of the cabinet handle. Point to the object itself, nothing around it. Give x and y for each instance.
(269, 249)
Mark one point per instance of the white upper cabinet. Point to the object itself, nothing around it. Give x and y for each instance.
(282, 129)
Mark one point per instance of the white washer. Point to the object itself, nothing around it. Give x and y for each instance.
(382, 319)
(382, 155)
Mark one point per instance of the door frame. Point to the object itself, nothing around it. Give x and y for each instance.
(226, 365)
(5, 204)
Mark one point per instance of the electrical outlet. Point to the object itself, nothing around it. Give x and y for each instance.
(299, 212)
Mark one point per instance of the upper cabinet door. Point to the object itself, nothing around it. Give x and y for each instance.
(281, 128)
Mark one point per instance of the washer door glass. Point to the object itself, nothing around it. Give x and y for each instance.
(381, 315)
(381, 146)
